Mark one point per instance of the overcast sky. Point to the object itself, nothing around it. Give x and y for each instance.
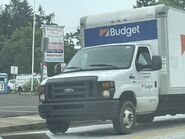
(69, 12)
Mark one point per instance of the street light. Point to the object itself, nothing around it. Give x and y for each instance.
(33, 45)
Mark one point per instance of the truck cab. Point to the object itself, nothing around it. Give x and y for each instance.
(108, 82)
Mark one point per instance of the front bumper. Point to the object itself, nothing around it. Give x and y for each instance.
(84, 110)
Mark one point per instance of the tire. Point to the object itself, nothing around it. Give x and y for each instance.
(147, 118)
(57, 127)
(125, 119)
(20, 90)
(9, 89)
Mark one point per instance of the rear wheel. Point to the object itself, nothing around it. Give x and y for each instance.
(57, 127)
(125, 119)
(9, 89)
(20, 90)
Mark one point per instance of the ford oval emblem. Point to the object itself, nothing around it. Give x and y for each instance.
(69, 90)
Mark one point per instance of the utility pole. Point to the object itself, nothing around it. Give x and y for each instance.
(33, 45)
(44, 47)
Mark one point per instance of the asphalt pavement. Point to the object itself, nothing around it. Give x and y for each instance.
(20, 112)
(24, 107)
(12, 105)
(21, 123)
(165, 127)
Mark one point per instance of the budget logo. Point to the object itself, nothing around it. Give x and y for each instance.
(125, 31)
(104, 32)
(182, 44)
(119, 31)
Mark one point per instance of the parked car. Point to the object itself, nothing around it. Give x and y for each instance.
(12, 85)
(22, 80)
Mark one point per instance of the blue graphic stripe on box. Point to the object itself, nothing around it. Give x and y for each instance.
(122, 33)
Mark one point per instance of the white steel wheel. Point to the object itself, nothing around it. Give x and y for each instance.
(125, 119)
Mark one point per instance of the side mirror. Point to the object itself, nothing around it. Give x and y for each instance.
(156, 63)
(59, 68)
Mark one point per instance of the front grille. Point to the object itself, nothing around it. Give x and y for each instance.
(71, 88)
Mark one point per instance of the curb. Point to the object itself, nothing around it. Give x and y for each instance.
(42, 125)
(32, 126)
(26, 136)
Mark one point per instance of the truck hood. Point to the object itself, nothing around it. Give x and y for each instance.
(102, 75)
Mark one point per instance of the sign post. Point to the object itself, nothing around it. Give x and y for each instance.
(14, 72)
(44, 47)
(52, 47)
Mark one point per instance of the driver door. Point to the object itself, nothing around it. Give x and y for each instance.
(146, 79)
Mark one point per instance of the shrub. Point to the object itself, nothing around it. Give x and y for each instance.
(27, 86)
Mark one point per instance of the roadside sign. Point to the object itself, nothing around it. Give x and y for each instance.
(53, 57)
(55, 50)
(14, 70)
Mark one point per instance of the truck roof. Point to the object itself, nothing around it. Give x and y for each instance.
(136, 14)
(115, 44)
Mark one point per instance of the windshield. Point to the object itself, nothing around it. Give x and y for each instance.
(106, 57)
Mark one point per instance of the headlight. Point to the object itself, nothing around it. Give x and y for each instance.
(106, 94)
(41, 93)
(42, 97)
(106, 89)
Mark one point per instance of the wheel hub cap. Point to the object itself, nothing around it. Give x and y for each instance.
(128, 118)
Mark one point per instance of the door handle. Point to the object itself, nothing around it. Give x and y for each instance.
(155, 83)
(132, 77)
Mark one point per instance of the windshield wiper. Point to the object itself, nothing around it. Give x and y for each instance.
(74, 68)
(104, 65)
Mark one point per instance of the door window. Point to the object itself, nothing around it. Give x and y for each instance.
(143, 58)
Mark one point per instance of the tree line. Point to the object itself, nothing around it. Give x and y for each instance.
(174, 3)
(16, 21)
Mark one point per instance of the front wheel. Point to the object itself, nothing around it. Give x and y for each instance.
(125, 119)
(56, 127)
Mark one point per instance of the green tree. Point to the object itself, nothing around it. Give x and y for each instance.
(17, 50)
(70, 41)
(144, 3)
(16, 35)
(174, 3)
(42, 18)
(15, 14)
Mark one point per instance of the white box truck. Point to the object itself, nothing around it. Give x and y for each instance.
(131, 68)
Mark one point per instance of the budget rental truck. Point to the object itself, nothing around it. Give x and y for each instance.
(131, 68)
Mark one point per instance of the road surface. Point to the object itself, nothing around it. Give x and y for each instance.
(165, 127)
(18, 105)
